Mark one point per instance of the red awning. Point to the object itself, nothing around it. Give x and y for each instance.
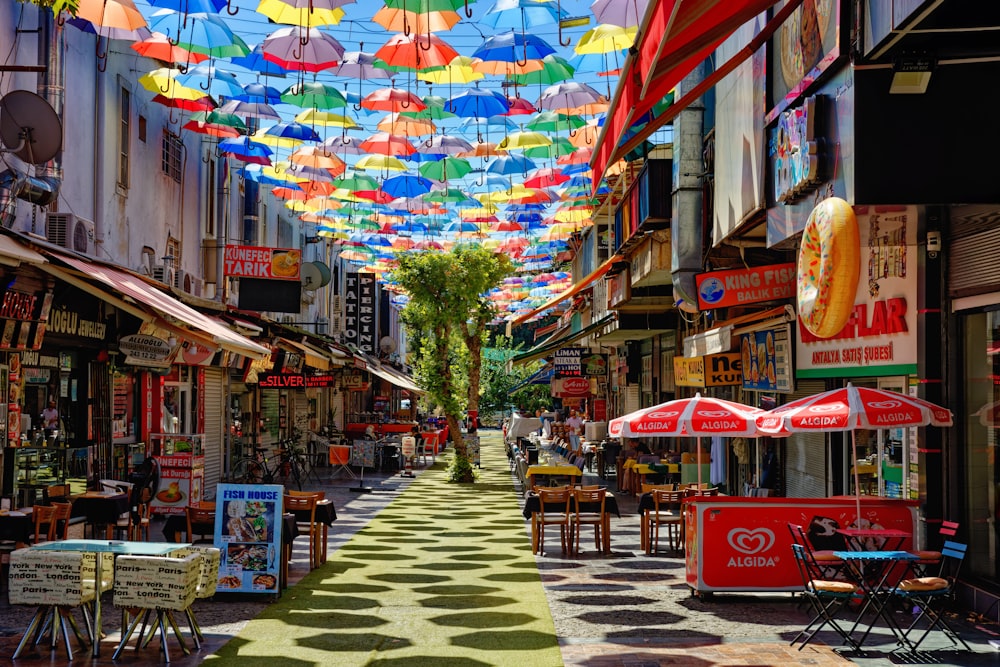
(572, 291)
(675, 37)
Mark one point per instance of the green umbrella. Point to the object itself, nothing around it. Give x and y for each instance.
(450, 195)
(434, 111)
(314, 95)
(356, 182)
(554, 70)
(445, 168)
(425, 6)
(560, 146)
(553, 121)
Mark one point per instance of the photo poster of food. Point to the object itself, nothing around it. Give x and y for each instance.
(248, 532)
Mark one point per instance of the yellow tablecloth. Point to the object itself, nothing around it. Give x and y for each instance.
(567, 469)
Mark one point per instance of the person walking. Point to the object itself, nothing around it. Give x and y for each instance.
(574, 429)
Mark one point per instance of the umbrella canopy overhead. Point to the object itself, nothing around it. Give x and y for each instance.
(695, 417)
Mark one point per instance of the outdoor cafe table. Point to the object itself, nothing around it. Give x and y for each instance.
(532, 505)
(17, 526)
(101, 508)
(554, 470)
(99, 548)
(873, 571)
(888, 539)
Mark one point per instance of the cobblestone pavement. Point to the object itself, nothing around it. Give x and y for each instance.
(628, 609)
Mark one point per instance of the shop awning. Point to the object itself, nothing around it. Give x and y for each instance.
(572, 291)
(395, 377)
(313, 356)
(720, 338)
(13, 253)
(164, 305)
(552, 345)
(674, 38)
(543, 375)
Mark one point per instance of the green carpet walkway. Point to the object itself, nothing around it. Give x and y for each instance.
(443, 576)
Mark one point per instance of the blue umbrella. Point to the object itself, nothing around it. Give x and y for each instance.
(212, 80)
(190, 6)
(243, 148)
(406, 185)
(513, 47)
(201, 33)
(522, 14)
(253, 173)
(296, 131)
(255, 62)
(510, 164)
(461, 226)
(258, 92)
(478, 103)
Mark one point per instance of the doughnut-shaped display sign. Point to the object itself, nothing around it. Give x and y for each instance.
(829, 266)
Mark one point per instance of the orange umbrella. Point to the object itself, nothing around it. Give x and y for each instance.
(405, 21)
(508, 69)
(392, 99)
(416, 51)
(114, 14)
(586, 135)
(318, 158)
(159, 47)
(483, 149)
(405, 125)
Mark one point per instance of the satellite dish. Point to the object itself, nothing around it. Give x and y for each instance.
(387, 345)
(314, 275)
(29, 127)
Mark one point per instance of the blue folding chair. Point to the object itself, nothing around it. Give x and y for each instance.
(931, 594)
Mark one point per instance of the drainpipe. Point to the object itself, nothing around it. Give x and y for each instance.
(51, 86)
(687, 223)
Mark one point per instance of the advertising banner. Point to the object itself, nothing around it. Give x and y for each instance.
(244, 261)
(566, 360)
(735, 287)
(360, 316)
(248, 531)
(713, 370)
(766, 359)
(880, 337)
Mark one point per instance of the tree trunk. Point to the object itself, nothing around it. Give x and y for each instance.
(475, 345)
(455, 433)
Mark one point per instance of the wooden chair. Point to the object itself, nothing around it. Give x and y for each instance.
(594, 499)
(59, 526)
(200, 522)
(57, 493)
(305, 504)
(666, 512)
(42, 514)
(140, 523)
(649, 488)
(553, 510)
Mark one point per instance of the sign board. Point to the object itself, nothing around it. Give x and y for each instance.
(360, 315)
(142, 347)
(243, 261)
(295, 381)
(766, 359)
(566, 360)
(571, 387)
(714, 370)
(472, 448)
(248, 532)
(594, 364)
(880, 337)
(735, 287)
(408, 445)
(23, 318)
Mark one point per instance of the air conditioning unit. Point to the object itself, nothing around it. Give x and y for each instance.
(165, 274)
(322, 325)
(336, 315)
(190, 283)
(71, 232)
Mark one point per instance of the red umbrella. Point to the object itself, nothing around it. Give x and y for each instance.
(545, 178)
(392, 99)
(416, 51)
(851, 408)
(203, 104)
(690, 417)
(159, 47)
(383, 143)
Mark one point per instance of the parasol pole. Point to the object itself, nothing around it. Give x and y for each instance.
(857, 482)
(698, 459)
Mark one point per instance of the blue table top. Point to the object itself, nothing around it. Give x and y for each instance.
(112, 547)
(875, 555)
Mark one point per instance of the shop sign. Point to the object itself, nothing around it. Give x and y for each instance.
(566, 360)
(714, 370)
(296, 381)
(721, 289)
(797, 150)
(68, 322)
(37, 359)
(571, 387)
(142, 349)
(766, 359)
(37, 375)
(600, 409)
(594, 364)
(243, 261)
(255, 368)
(23, 317)
(354, 382)
(880, 337)
(359, 311)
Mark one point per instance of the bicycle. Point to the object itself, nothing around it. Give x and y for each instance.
(289, 466)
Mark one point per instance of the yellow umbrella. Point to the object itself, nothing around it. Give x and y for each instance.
(508, 69)
(524, 140)
(405, 125)
(421, 23)
(459, 70)
(162, 82)
(483, 149)
(326, 118)
(279, 171)
(515, 192)
(300, 206)
(279, 12)
(606, 38)
(485, 211)
(574, 215)
(380, 162)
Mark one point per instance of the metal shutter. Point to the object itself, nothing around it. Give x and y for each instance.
(805, 453)
(214, 441)
(972, 247)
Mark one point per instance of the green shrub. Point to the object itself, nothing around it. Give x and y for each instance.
(461, 470)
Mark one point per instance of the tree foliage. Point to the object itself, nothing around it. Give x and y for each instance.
(444, 322)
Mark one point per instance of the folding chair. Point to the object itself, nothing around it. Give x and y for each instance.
(340, 459)
(930, 559)
(826, 597)
(931, 594)
(829, 565)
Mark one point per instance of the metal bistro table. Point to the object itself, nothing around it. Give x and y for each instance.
(871, 570)
(99, 548)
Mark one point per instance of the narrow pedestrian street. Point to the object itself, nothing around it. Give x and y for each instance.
(423, 572)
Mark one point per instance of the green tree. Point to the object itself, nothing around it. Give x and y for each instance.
(444, 319)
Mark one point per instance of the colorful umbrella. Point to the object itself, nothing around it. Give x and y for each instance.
(406, 21)
(281, 12)
(246, 150)
(159, 47)
(416, 52)
(392, 99)
(445, 169)
(384, 143)
(305, 49)
(624, 13)
(314, 95)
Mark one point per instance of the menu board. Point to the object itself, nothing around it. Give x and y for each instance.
(121, 421)
(472, 448)
(363, 453)
(248, 532)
